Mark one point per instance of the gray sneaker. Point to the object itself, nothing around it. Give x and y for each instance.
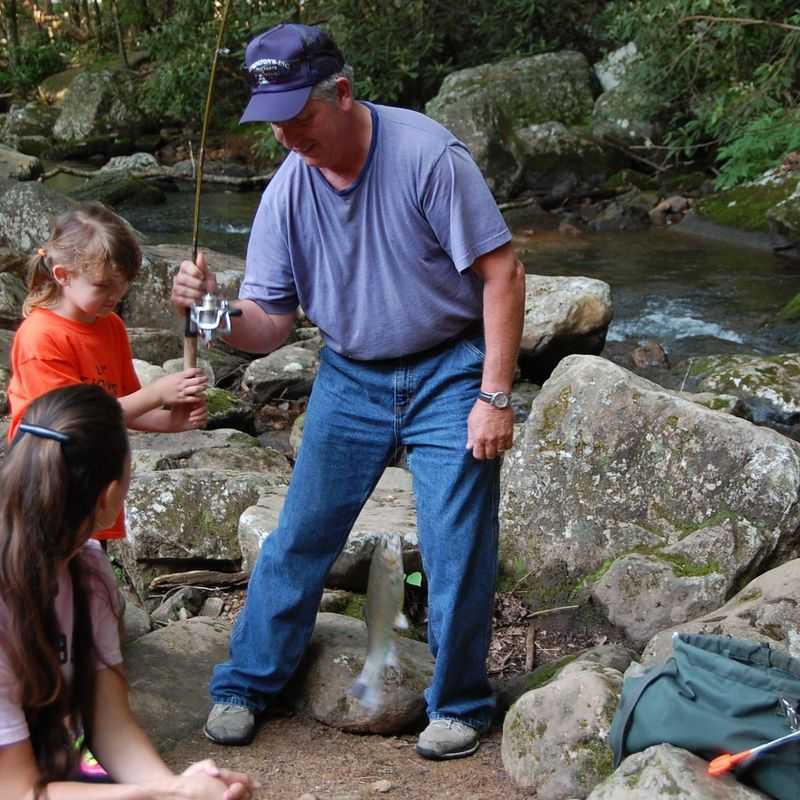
(229, 724)
(447, 738)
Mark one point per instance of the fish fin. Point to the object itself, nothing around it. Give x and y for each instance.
(400, 622)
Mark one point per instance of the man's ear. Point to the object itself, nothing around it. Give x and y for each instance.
(61, 274)
(344, 93)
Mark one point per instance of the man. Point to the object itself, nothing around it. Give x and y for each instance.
(380, 226)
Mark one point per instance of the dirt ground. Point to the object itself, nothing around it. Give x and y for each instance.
(297, 757)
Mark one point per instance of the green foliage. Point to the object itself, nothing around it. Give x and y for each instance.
(732, 78)
(34, 63)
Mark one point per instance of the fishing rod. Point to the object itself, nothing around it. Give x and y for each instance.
(213, 315)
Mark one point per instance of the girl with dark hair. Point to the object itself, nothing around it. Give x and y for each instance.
(72, 335)
(61, 676)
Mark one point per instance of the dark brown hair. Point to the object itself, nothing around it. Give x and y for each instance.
(48, 496)
(88, 238)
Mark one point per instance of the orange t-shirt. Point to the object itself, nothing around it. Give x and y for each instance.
(50, 351)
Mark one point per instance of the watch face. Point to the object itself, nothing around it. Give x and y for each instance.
(501, 400)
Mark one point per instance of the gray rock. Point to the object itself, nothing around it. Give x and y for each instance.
(555, 737)
(118, 190)
(28, 124)
(628, 212)
(765, 610)
(784, 218)
(12, 295)
(168, 673)
(665, 772)
(154, 345)
(212, 607)
(26, 210)
(334, 660)
(227, 410)
(146, 372)
(484, 106)
(288, 372)
(17, 166)
(626, 114)
(612, 465)
(611, 70)
(6, 339)
(177, 365)
(135, 620)
(182, 605)
(137, 162)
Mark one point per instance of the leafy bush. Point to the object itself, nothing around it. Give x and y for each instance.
(730, 70)
(34, 64)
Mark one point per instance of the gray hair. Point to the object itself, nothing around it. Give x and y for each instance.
(326, 88)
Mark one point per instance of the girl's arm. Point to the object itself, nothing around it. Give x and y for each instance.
(126, 753)
(143, 410)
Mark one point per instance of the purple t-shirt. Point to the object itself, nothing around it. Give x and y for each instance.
(105, 630)
(381, 267)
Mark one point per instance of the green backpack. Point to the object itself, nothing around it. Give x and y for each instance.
(717, 695)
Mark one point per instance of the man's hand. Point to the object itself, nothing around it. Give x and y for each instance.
(191, 282)
(490, 430)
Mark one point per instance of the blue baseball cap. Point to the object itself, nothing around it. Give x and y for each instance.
(282, 66)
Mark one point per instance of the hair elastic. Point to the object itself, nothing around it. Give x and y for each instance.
(44, 433)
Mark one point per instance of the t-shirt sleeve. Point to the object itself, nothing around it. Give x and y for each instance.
(104, 607)
(461, 210)
(13, 725)
(268, 278)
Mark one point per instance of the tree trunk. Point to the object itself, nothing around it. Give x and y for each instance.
(98, 17)
(120, 40)
(13, 34)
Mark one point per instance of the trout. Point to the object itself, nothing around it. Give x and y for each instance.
(384, 613)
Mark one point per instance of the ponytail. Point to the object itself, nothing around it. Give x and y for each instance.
(43, 290)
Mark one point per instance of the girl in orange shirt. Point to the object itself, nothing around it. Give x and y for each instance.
(72, 335)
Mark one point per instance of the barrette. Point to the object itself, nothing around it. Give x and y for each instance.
(44, 433)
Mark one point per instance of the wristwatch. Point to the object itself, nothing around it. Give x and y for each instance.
(496, 399)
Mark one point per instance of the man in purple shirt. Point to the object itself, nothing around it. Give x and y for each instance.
(381, 227)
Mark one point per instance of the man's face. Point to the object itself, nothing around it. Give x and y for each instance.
(312, 134)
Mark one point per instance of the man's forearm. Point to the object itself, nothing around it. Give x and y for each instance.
(503, 316)
(255, 331)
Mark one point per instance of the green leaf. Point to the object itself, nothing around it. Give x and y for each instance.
(414, 579)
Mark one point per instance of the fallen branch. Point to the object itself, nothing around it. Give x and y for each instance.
(229, 180)
(205, 577)
(545, 611)
(744, 21)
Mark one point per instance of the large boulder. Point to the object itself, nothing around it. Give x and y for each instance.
(560, 748)
(12, 295)
(766, 610)
(784, 218)
(287, 372)
(562, 316)
(665, 772)
(484, 106)
(769, 385)
(26, 210)
(334, 660)
(612, 466)
(27, 128)
(17, 166)
(611, 70)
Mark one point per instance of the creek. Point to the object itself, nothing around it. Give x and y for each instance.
(695, 296)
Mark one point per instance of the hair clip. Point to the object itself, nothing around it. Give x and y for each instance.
(44, 433)
(41, 252)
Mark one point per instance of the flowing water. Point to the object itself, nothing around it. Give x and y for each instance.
(694, 295)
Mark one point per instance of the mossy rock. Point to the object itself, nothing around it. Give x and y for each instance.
(791, 311)
(745, 207)
(119, 191)
(620, 182)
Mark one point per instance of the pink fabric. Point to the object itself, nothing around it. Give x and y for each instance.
(13, 727)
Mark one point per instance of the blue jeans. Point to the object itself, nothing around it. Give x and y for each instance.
(358, 415)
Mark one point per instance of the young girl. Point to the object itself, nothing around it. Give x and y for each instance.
(72, 335)
(66, 476)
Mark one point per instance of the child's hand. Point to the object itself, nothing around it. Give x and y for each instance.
(181, 387)
(188, 416)
(239, 786)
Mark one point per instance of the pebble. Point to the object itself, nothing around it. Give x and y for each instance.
(382, 786)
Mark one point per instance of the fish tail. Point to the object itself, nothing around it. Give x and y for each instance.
(368, 689)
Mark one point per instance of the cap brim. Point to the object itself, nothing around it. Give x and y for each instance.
(276, 106)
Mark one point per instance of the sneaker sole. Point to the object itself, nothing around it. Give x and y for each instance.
(241, 742)
(433, 755)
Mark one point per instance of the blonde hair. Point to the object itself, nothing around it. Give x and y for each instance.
(88, 238)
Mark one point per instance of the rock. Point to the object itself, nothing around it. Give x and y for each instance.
(168, 674)
(650, 355)
(135, 620)
(212, 607)
(765, 610)
(296, 435)
(25, 213)
(146, 372)
(17, 166)
(613, 466)
(335, 601)
(555, 737)
(154, 345)
(628, 212)
(769, 385)
(720, 402)
(27, 128)
(390, 508)
(665, 771)
(612, 69)
(147, 304)
(136, 162)
(12, 295)
(562, 316)
(181, 605)
(484, 106)
(626, 115)
(287, 372)
(6, 338)
(334, 660)
(227, 410)
(53, 89)
(173, 365)
(5, 378)
(119, 191)
(783, 218)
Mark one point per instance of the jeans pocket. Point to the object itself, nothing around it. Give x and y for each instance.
(476, 346)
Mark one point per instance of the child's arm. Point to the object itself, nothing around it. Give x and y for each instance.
(143, 410)
(127, 755)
